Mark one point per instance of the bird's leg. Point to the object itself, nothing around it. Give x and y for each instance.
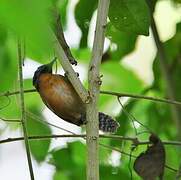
(83, 119)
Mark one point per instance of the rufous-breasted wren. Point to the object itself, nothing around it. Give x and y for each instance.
(60, 97)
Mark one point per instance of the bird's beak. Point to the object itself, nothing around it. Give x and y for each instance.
(52, 62)
(49, 65)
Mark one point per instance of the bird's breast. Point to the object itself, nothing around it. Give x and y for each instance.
(60, 96)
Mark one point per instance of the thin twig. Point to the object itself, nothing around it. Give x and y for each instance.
(135, 96)
(23, 114)
(135, 141)
(6, 105)
(118, 94)
(133, 120)
(41, 137)
(116, 149)
(37, 118)
(45, 137)
(61, 39)
(17, 92)
(170, 168)
(10, 120)
(178, 173)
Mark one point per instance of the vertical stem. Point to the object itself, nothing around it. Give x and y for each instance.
(166, 75)
(94, 87)
(23, 115)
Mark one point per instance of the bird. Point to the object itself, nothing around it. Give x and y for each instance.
(58, 94)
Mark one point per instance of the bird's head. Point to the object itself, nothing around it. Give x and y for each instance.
(46, 68)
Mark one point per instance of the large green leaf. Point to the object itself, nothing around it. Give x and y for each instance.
(30, 20)
(61, 159)
(125, 42)
(8, 60)
(83, 14)
(62, 6)
(66, 161)
(3, 35)
(108, 172)
(59, 175)
(8, 72)
(159, 119)
(119, 79)
(78, 148)
(130, 16)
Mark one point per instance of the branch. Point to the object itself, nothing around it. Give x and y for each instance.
(135, 141)
(92, 127)
(37, 118)
(10, 120)
(17, 92)
(84, 136)
(141, 97)
(165, 71)
(135, 96)
(41, 137)
(23, 115)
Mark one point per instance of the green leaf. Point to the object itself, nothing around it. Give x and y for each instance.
(61, 158)
(104, 153)
(125, 41)
(3, 35)
(8, 72)
(60, 176)
(10, 109)
(8, 59)
(62, 6)
(130, 16)
(30, 20)
(108, 172)
(78, 148)
(83, 15)
(119, 79)
(39, 148)
(68, 160)
(159, 119)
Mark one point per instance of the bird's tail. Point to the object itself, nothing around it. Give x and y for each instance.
(107, 123)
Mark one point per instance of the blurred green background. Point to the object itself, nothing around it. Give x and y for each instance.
(130, 64)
